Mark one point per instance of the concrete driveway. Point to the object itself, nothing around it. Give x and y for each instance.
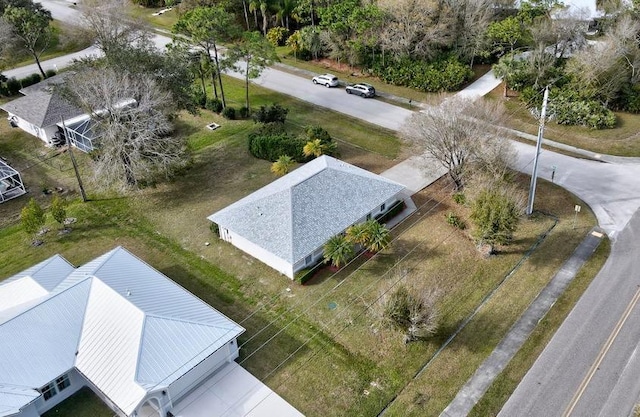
(233, 392)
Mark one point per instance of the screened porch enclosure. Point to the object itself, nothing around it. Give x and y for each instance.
(81, 133)
(11, 185)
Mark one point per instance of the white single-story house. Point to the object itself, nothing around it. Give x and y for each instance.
(116, 325)
(286, 223)
(40, 109)
(11, 185)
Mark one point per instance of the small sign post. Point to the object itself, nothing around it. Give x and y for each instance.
(576, 210)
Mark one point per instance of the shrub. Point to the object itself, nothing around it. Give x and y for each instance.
(32, 218)
(229, 113)
(50, 73)
(283, 165)
(215, 105)
(13, 86)
(395, 209)
(215, 229)
(455, 221)
(459, 198)
(441, 75)
(30, 80)
(270, 142)
(244, 112)
(274, 113)
(630, 98)
(496, 216)
(199, 98)
(277, 36)
(59, 209)
(413, 311)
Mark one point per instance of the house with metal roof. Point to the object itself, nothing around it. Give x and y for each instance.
(116, 325)
(41, 108)
(286, 223)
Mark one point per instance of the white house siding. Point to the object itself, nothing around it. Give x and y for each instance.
(77, 382)
(257, 252)
(30, 411)
(186, 383)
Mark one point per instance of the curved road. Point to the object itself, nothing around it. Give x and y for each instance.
(591, 366)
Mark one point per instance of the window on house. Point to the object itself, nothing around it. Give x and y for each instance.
(63, 382)
(383, 206)
(369, 216)
(308, 259)
(48, 391)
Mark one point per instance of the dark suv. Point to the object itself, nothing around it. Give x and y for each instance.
(361, 89)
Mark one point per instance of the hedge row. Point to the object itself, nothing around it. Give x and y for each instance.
(444, 75)
(12, 86)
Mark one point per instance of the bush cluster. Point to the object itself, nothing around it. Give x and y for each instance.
(270, 142)
(443, 75)
(274, 113)
(455, 221)
(229, 113)
(214, 104)
(567, 107)
(12, 86)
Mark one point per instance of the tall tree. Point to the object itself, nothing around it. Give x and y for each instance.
(132, 117)
(206, 27)
(111, 26)
(250, 56)
(31, 26)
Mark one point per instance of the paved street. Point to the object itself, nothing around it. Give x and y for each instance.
(612, 190)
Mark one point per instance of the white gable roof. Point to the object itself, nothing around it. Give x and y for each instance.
(298, 213)
(114, 319)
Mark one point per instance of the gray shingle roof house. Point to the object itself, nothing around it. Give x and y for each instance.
(116, 325)
(41, 108)
(286, 223)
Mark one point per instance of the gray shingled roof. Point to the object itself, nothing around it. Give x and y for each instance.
(298, 213)
(42, 108)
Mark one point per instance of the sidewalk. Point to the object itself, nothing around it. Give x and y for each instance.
(484, 376)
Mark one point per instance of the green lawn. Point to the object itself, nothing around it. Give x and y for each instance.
(623, 140)
(325, 361)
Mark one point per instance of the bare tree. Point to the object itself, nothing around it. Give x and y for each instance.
(461, 134)
(601, 69)
(110, 24)
(132, 116)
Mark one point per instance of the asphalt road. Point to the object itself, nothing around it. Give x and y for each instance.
(612, 190)
(564, 366)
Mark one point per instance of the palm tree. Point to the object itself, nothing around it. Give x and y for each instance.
(284, 9)
(357, 234)
(338, 251)
(283, 165)
(314, 148)
(377, 236)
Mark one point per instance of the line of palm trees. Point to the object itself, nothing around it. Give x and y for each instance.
(278, 11)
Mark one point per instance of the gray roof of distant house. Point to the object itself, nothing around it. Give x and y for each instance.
(42, 108)
(298, 213)
(48, 84)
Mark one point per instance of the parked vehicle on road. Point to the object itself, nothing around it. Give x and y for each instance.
(328, 80)
(361, 89)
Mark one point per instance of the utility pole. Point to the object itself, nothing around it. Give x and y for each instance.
(73, 161)
(534, 175)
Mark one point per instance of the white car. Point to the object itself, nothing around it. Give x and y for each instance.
(328, 80)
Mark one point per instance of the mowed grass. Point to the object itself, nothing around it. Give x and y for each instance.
(623, 140)
(326, 361)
